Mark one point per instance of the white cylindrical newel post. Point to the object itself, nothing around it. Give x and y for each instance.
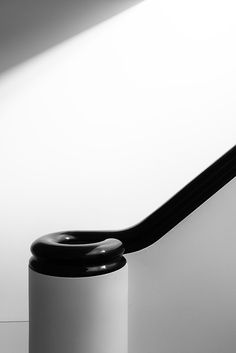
(78, 295)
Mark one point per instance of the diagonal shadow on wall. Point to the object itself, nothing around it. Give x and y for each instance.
(29, 27)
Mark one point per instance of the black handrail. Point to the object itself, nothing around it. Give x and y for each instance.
(173, 211)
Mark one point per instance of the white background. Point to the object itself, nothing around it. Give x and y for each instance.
(181, 289)
(101, 129)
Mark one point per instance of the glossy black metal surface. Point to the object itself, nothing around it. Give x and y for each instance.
(144, 233)
(73, 246)
(70, 254)
(61, 269)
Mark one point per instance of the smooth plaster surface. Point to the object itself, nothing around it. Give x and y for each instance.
(181, 290)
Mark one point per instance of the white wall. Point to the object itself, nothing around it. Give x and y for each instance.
(99, 131)
(182, 289)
